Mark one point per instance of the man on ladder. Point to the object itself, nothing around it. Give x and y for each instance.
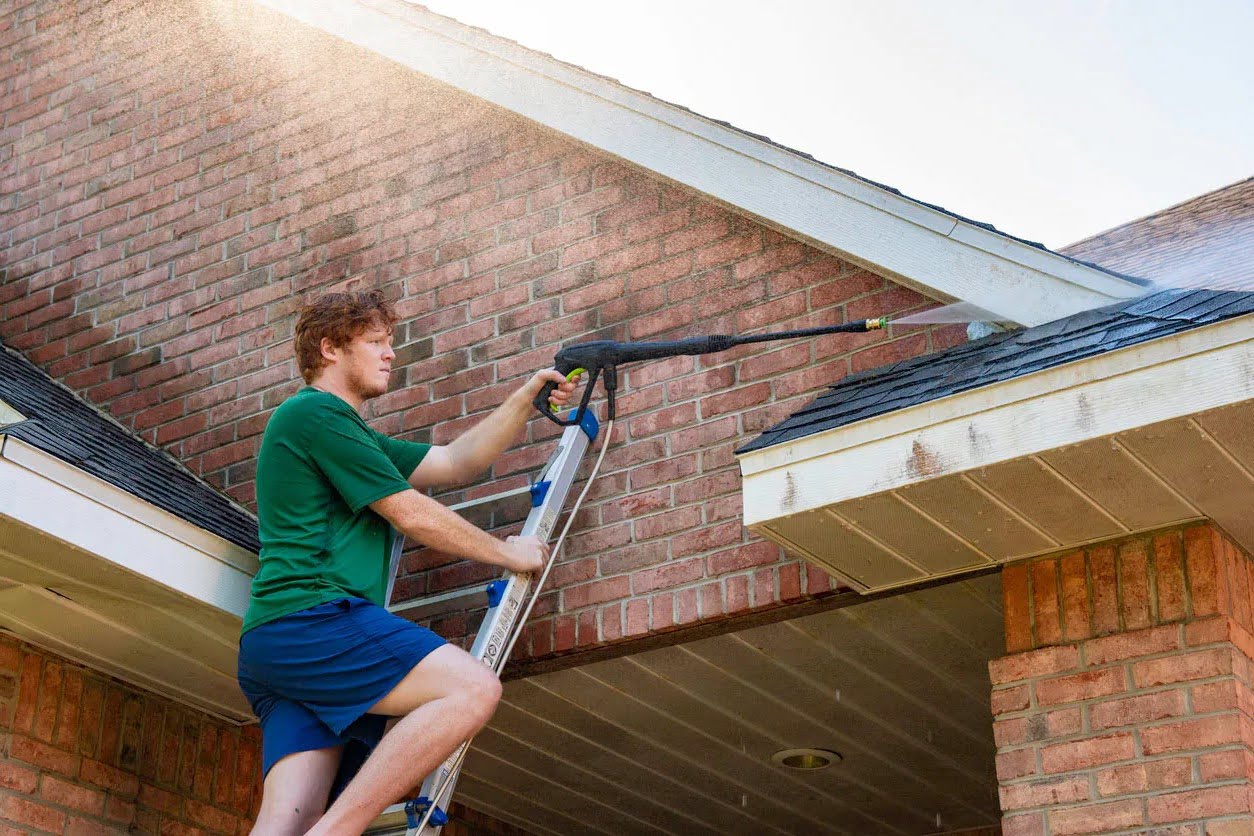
(322, 662)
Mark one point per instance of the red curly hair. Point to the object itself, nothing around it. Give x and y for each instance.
(340, 318)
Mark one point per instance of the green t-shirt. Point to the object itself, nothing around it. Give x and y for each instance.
(319, 468)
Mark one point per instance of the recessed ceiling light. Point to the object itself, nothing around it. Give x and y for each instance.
(806, 758)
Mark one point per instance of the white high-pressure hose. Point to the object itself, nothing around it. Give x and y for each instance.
(522, 619)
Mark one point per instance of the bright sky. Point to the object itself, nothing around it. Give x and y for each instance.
(1052, 121)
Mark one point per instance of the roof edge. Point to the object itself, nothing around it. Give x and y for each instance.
(135, 508)
(165, 455)
(940, 253)
(1175, 350)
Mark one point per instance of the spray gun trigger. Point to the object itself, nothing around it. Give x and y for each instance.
(571, 376)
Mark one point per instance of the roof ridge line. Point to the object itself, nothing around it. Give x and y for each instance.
(986, 225)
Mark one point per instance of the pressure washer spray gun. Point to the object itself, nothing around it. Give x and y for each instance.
(596, 356)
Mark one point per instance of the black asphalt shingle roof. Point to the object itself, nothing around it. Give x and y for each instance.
(1004, 356)
(61, 424)
(1207, 241)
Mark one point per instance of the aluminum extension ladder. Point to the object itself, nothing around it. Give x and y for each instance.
(506, 599)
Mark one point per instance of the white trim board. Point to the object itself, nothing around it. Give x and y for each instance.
(1181, 375)
(9, 415)
(47, 494)
(935, 252)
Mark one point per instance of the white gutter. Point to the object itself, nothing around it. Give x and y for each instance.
(885, 232)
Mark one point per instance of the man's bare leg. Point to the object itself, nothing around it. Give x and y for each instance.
(445, 699)
(295, 792)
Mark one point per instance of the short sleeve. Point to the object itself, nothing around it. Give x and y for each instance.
(349, 455)
(406, 455)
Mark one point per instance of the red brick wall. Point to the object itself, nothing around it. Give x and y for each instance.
(86, 754)
(82, 753)
(1129, 704)
(183, 176)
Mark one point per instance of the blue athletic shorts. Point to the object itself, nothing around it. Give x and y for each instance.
(311, 676)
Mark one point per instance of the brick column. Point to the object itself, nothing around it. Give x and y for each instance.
(1125, 704)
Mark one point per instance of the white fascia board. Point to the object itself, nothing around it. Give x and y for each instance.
(45, 493)
(1145, 384)
(872, 226)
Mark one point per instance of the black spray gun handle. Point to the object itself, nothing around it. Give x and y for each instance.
(589, 358)
(606, 355)
(597, 356)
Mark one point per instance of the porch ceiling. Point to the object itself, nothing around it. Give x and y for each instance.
(679, 740)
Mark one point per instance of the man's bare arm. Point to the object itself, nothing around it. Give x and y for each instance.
(423, 519)
(474, 450)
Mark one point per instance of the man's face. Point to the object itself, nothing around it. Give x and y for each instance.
(368, 362)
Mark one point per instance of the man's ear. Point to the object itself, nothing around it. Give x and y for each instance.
(328, 350)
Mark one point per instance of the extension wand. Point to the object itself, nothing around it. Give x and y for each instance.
(598, 356)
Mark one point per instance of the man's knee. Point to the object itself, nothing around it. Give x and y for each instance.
(480, 694)
(448, 672)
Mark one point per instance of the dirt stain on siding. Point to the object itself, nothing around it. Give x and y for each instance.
(789, 499)
(923, 462)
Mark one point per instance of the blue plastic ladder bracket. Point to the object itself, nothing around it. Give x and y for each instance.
(539, 491)
(588, 423)
(496, 591)
(415, 809)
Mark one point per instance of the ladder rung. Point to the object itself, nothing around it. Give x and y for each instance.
(485, 500)
(444, 602)
(452, 600)
(390, 821)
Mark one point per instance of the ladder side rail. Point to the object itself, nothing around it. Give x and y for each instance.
(558, 476)
(549, 497)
